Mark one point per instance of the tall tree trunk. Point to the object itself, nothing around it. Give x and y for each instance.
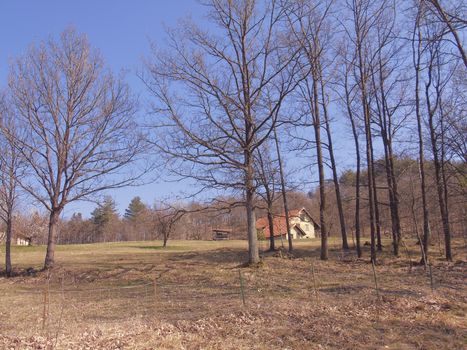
(52, 236)
(386, 137)
(444, 181)
(322, 184)
(392, 192)
(284, 192)
(395, 205)
(371, 198)
(362, 82)
(416, 55)
(253, 252)
(441, 200)
(438, 167)
(379, 243)
(358, 170)
(345, 244)
(8, 268)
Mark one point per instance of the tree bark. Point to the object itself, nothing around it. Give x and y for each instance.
(253, 252)
(358, 169)
(438, 165)
(165, 239)
(421, 157)
(379, 244)
(272, 245)
(322, 184)
(385, 121)
(345, 244)
(8, 268)
(362, 80)
(284, 192)
(52, 236)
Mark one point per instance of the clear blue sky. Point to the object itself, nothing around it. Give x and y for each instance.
(121, 29)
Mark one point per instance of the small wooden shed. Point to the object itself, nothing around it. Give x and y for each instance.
(221, 234)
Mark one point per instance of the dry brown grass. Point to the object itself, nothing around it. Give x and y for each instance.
(102, 297)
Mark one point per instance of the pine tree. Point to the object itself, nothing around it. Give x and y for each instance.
(103, 215)
(135, 209)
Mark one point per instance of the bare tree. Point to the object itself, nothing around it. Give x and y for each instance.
(417, 57)
(79, 129)
(308, 23)
(217, 96)
(332, 158)
(348, 100)
(11, 169)
(389, 98)
(454, 19)
(165, 217)
(267, 178)
(434, 87)
(364, 15)
(283, 189)
(437, 70)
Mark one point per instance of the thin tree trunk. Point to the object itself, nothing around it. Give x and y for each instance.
(345, 244)
(447, 233)
(438, 170)
(441, 200)
(8, 268)
(394, 202)
(322, 187)
(421, 156)
(379, 244)
(369, 156)
(386, 130)
(284, 192)
(358, 170)
(253, 253)
(368, 137)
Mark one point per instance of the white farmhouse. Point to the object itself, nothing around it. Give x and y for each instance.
(302, 225)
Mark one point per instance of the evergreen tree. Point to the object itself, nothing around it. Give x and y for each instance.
(135, 209)
(104, 215)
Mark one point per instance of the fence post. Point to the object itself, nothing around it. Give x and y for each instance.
(155, 292)
(375, 279)
(242, 286)
(431, 278)
(314, 280)
(45, 309)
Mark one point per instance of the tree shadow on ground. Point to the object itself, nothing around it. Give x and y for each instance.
(217, 256)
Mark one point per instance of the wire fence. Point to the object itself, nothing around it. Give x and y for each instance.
(49, 308)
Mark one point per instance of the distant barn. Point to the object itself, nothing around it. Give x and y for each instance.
(221, 234)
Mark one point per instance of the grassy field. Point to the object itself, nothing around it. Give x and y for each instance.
(136, 295)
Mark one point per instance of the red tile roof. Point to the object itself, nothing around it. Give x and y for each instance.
(279, 225)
